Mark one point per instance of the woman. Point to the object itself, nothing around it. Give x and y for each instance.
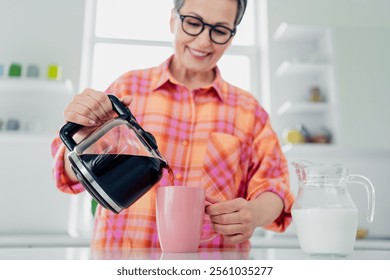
(214, 135)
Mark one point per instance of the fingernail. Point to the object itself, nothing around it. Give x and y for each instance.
(91, 122)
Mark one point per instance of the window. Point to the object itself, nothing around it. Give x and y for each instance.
(120, 36)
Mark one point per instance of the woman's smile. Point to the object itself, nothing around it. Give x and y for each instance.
(198, 54)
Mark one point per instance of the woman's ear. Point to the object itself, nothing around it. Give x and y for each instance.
(172, 20)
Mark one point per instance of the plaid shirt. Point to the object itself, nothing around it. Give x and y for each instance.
(217, 138)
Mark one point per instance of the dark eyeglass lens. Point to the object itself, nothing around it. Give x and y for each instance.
(220, 34)
(192, 25)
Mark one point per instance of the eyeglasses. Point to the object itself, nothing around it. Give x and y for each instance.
(193, 26)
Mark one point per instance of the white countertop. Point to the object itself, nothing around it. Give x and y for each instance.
(63, 240)
(85, 253)
(65, 247)
(41, 240)
(291, 242)
(275, 248)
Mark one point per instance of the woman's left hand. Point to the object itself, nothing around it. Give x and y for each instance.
(236, 219)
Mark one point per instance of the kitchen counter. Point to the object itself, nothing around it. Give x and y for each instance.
(59, 247)
(41, 240)
(85, 253)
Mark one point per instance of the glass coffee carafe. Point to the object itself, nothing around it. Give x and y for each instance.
(118, 162)
(324, 213)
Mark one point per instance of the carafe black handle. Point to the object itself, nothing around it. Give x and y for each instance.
(70, 128)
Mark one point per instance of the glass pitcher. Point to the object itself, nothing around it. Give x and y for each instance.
(324, 213)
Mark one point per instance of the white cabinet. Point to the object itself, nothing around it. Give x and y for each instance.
(30, 204)
(302, 82)
(31, 108)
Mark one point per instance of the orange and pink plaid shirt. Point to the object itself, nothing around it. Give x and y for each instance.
(217, 137)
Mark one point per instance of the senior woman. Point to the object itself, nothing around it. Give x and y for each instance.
(214, 135)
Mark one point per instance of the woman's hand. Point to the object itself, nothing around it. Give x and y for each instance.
(236, 219)
(91, 108)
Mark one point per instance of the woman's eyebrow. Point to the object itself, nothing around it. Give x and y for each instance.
(200, 17)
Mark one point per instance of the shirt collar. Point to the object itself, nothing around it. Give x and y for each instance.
(164, 76)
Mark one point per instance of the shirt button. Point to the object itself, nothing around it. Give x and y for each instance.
(185, 143)
(178, 176)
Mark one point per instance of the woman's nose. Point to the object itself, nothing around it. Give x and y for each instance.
(203, 38)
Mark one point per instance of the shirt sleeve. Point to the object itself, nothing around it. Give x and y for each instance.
(269, 170)
(62, 181)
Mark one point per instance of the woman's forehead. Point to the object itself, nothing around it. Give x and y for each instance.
(212, 10)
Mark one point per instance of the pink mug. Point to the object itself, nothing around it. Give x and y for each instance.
(180, 213)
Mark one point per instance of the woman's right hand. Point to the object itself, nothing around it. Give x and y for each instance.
(91, 108)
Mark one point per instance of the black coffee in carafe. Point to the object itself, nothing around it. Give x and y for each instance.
(125, 177)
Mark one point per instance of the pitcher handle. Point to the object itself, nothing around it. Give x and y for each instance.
(362, 180)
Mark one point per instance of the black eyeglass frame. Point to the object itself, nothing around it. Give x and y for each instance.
(212, 27)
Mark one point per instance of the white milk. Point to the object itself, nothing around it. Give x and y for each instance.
(326, 231)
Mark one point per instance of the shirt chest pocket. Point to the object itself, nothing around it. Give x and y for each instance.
(221, 173)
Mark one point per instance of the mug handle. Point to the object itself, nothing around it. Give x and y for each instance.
(213, 235)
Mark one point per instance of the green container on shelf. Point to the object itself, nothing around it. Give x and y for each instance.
(15, 70)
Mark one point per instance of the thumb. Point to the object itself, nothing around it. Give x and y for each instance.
(211, 200)
(126, 100)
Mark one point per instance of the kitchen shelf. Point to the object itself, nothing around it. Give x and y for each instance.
(309, 148)
(37, 105)
(289, 32)
(304, 107)
(302, 68)
(35, 88)
(288, 68)
(24, 136)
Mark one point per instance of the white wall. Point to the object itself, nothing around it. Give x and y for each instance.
(361, 43)
(42, 32)
(50, 31)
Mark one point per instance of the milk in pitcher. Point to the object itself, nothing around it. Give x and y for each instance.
(326, 231)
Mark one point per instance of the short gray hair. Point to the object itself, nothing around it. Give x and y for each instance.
(241, 6)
